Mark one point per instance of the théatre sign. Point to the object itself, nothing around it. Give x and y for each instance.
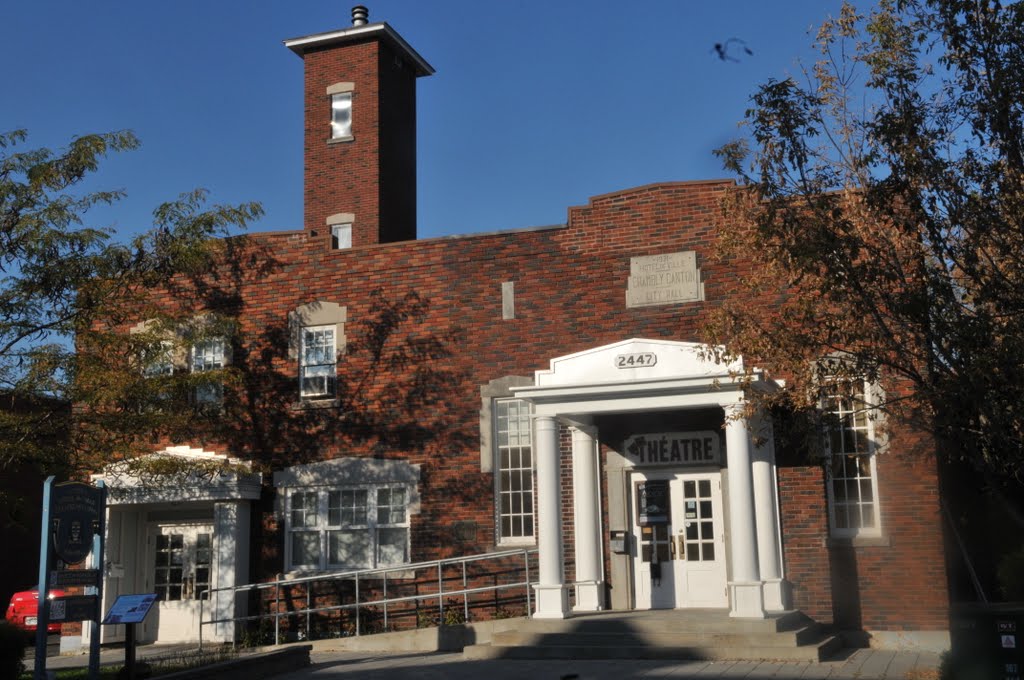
(679, 448)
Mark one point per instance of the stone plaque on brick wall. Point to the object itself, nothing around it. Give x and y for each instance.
(664, 280)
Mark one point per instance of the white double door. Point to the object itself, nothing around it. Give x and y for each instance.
(679, 560)
(180, 569)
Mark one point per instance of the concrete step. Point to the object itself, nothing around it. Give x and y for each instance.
(815, 652)
(676, 638)
(664, 634)
(660, 621)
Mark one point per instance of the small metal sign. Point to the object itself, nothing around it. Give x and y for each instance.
(75, 578)
(74, 608)
(75, 517)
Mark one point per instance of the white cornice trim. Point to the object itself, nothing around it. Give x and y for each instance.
(300, 45)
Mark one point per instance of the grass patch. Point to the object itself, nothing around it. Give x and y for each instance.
(926, 674)
(151, 666)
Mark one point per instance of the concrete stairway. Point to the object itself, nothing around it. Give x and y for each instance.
(664, 634)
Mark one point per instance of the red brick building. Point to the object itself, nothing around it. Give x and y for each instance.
(406, 400)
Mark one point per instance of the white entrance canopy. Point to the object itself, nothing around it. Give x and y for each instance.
(179, 487)
(645, 375)
(636, 375)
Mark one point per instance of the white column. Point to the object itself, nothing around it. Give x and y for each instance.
(765, 504)
(745, 587)
(586, 491)
(230, 567)
(552, 600)
(112, 572)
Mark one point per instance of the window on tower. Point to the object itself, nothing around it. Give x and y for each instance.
(341, 115)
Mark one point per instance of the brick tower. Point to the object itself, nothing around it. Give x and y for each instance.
(360, 132)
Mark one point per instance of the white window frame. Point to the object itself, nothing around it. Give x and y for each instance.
(160, 361)
(330, 368)
(321, 521)
(208, 355)
(850, 445)
(341, 236)
(511, 496)
(341, 116)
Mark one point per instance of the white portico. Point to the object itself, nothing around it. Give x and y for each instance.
(178, 525)
(690, 524)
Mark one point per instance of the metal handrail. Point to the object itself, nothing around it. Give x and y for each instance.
(372, 574)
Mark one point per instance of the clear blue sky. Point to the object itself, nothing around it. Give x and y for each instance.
(535, 106)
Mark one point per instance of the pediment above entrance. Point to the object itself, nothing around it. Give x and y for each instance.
(635, 360)
(180, 474)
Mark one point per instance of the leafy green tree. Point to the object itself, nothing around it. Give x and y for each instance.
(66, 291)
(886, 188)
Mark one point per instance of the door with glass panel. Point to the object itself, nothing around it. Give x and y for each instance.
(180, 572)
(654, 576)
(699, 536)
(679, 537)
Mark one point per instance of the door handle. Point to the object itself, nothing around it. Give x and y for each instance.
(682, 549)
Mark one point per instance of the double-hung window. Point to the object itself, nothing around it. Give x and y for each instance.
(341, 236)
(850, 446)
(514, 468)
(318, 363)
(341, 115)
(208, 355)
(158, 359)
(348, 528)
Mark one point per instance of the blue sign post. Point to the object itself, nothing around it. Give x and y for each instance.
(74, 524)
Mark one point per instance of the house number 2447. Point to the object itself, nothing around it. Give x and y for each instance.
(636, 360)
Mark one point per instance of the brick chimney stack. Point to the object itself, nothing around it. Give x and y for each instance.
(360, 132)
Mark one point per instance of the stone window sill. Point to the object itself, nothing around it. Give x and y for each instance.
(340, 140)
(858, 542)
(311, 404)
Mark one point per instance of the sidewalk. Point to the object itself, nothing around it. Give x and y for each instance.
(862, 664)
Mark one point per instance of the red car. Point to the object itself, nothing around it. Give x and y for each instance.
(24, 608)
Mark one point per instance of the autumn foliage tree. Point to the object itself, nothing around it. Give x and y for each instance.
(884, 191)
(66, 291)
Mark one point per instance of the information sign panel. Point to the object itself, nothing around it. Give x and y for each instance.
(652, 502)
(129, 609)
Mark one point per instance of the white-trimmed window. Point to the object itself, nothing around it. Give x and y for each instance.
(208, 355)
(341, 115)
(348, 528)
(514, 471)
(318, 363)
(341, 236)
(850, 444)
(158, 359)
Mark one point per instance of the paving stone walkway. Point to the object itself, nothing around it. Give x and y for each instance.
(859, 664)
(862, 664)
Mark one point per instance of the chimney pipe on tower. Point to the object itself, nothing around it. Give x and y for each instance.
(360, 15)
